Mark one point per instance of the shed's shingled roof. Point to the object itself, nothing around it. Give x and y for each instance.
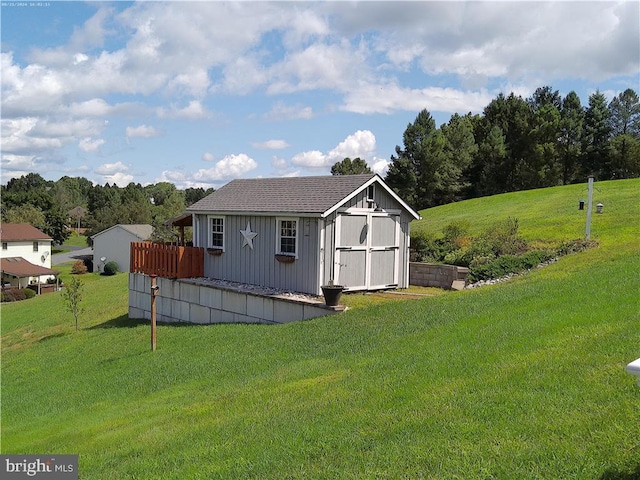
(14, 232)
(286, 194)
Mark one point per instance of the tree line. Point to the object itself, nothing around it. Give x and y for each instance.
(517, 144)
(51, 206)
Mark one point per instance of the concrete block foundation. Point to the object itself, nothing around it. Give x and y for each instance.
(194, 301)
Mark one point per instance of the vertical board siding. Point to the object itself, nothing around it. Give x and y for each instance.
(260, 266)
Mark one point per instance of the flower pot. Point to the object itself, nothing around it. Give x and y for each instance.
(332, 294)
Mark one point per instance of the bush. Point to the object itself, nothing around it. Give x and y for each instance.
(28, 293)
(110, 268)
(575, 246)
(13, 295)
(506, 264)
(426, 248)
(79, 268)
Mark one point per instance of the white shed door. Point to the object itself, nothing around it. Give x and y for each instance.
(367, 251)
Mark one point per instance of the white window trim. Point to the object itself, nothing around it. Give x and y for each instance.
(371, 188)
(210, 232)
(279, 238)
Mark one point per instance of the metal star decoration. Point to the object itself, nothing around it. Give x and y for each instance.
(248, 236)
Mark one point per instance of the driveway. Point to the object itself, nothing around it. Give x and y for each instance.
(76, 253)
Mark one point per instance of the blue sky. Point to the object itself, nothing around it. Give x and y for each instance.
(200, 93)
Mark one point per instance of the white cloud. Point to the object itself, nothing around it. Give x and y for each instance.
(359, 144)
(88, 144)
(310, 159)
(319, 66)
(271, 145)
(18, 163)
(231, 166)
(109, 169)
(141, 131)
(195, 110)
(379, 166)
(372, 98)
(280, 111)
(279, 163)
(119, 178)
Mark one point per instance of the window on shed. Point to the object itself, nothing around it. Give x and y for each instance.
(288, 236)
(5, 245)
(216, 229)
(35, 246)
(371, 193)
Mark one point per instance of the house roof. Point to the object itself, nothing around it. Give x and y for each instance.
(14, 232)
(143, 230)
(19, 267)
(319, 195)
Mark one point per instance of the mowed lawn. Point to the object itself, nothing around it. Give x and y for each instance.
(524, 379)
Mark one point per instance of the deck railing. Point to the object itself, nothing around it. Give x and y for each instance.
(166, 261)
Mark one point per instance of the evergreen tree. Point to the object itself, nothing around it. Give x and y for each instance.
(624, 121)
(595, 159)
(408, 171)
(569, 142)
(461, 149)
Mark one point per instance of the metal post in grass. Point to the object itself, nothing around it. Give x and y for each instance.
(589, 207)
(154, 293)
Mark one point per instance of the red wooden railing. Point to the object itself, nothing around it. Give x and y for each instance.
(166, 261)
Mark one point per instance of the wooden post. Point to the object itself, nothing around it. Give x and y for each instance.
(154, 292)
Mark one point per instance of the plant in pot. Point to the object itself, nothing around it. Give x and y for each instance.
(331, 291)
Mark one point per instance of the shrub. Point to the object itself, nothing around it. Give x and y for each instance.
(506, 264)
(456, 235)
(28, 293)
(501, 238)
(575, 246)
(426, 248)
(13, 295)
(110, 268)
(79, 267)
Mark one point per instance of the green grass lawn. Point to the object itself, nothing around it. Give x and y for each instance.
(524, 379)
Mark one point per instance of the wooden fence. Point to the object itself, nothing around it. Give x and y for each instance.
(166, 261)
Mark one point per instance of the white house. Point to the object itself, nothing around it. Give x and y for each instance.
(113, 244)
(25, 257)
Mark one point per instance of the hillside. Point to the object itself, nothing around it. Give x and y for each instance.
(549, 214)
(520, 380)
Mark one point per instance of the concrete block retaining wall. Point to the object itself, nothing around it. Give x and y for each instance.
(434, 275)
(188, 301)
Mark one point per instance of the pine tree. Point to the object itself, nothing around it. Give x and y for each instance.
(595, 159)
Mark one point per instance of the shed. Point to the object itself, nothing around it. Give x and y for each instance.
(299, 233)
(113, 244)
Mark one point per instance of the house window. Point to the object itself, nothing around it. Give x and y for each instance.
(287, 242)
(35, 246)
(371, 193)
(216, 229)
(5, 246)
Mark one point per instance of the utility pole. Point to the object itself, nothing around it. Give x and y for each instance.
(589, 208)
